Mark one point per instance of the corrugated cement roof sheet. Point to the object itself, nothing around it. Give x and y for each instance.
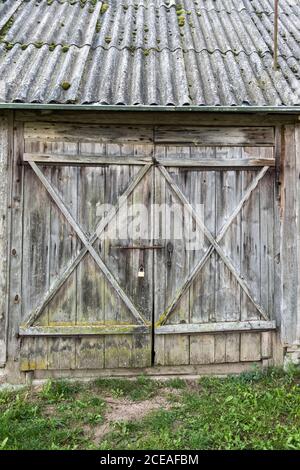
(149, 52)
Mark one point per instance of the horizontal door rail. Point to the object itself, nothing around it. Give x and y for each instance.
(64, 159)
(220, 327)
(218, 162)
(83, 330)
(182, 328)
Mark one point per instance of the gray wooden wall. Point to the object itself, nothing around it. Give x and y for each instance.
(290, 235)
(4, 150)
(289, 153)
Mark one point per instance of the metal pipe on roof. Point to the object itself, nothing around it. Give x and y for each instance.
(275, 60)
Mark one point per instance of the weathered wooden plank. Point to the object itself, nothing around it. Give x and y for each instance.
(176, 350)
(67, 132)
(15, 292)
(290, 246)
(36, 245)
(4, 231)
(118, 350)
(82, 330)
(90, 352)
(139, 226)
(171, 117)
(297, 210)
(159, 350)
(232, 347)
(219, 163)
(228, 199)
(212, 327)
(141, 354)
(202, 276)
(222, 136)
(64, 244)
(88, 159)
(176, 232)
(267, 239)
(61, 353)
(250, 250)
(90, 281)
(220, 348)
(34, 354)
(118, 261)
(250, 347)
(266, 345)
(159, 261)
(202, 349)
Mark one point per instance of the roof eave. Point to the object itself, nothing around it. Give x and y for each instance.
(96, 107)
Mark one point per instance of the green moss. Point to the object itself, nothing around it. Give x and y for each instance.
(104, 8)
(181, 21)
(65, 48)
(65, 85)
(38, 44)
(98, 26)
(107, 39)
(8, 46)
(6, 28)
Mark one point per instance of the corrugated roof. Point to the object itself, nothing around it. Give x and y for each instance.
(149, 52)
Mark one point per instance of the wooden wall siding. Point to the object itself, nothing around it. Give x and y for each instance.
(53, 132)
(191, 136)
(86, 302)
(153, 118)
(129, 351)
(232, 136)
(290, 236)
(133, 351)
(91, 352)
(4, 190)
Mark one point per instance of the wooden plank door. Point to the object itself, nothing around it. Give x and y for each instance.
(84, 305)
(213, 299)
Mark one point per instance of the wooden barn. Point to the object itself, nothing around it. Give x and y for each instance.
(153, 103)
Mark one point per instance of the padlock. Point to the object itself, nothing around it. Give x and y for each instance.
(141, 272)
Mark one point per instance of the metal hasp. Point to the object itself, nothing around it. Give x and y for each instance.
(170, 249)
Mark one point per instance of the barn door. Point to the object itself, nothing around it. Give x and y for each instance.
(215, 290)
(87, 266)
(191, 283)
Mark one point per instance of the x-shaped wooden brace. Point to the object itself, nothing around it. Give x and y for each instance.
(88, 245)
(214, 244)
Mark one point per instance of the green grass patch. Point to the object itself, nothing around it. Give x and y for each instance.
(255, 410)
(141, 389)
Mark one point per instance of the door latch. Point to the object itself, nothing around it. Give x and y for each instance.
(170, 249)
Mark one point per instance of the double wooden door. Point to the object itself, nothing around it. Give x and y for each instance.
(129, 265)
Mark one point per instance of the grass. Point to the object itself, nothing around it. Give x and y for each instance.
(256, 410)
